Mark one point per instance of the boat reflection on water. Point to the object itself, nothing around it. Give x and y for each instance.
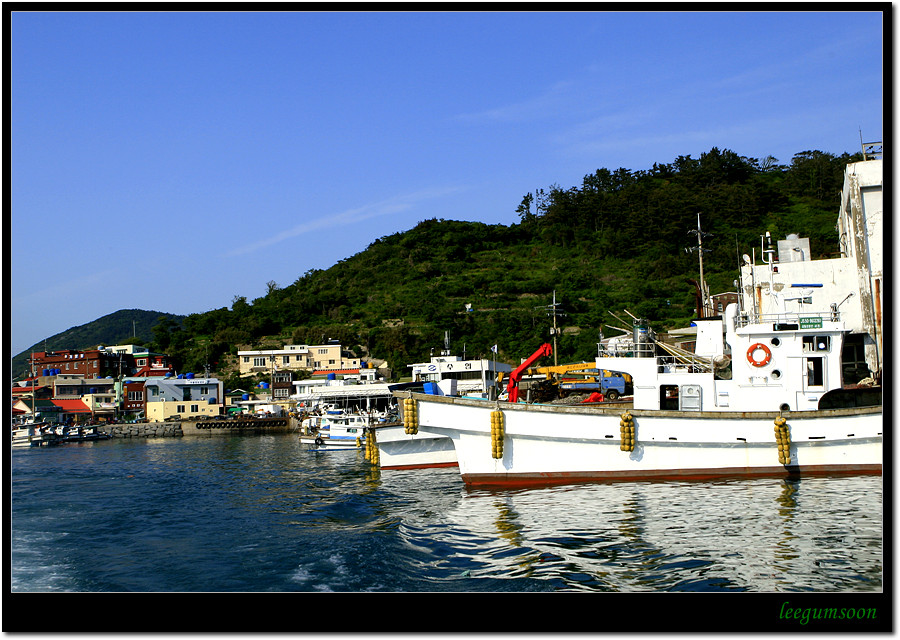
(763, 535)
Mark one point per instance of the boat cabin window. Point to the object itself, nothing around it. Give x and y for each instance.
(668, 397)
(815, 372)
(853, 359)
(816, 343)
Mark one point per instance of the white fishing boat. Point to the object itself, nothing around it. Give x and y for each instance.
(76, 433)
(399, 446)
(338, 430)
(764, 396)
(34, 434)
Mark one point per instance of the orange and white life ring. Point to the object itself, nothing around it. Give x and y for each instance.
(751, 355)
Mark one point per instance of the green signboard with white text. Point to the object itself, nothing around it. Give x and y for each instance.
(810, 323)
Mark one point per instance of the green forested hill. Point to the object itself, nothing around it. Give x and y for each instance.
(617, 241)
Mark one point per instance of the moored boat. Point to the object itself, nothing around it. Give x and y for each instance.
(688, 420)
(765, 395)
(339, 431)
(399, 446)
(75, 433)
(34, 434)
(549, 444)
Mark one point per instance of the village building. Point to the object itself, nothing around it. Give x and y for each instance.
(70, 387)
(90, 363)
(185, 396)
(294, 357)
(130, 398)
(120, 360)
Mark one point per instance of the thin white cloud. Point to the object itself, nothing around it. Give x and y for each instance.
(548, 103)
(89, 285)
(391, 206)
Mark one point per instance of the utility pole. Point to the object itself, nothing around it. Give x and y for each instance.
(554, 311)
(704, 293)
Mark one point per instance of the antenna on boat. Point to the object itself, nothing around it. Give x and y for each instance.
(870, 150)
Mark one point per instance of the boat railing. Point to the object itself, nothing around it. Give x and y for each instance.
(628, 350)
(680, 360)
(803, 319)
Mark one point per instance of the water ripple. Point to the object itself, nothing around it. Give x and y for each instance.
(263, 514)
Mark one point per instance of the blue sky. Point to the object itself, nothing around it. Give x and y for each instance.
(173, 161)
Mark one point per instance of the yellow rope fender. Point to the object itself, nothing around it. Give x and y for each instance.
(372, 453)
(497, 433)
(783, 440)
(626, 430)
(410, 417)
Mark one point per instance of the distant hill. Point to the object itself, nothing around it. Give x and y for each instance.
(109, 330)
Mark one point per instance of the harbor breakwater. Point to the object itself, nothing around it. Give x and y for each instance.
(144, 430)
(232, 426)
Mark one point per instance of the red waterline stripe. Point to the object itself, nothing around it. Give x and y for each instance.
(435, 465)
(529, 479)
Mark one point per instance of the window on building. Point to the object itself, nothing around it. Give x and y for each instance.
(179, 408)
(285, 359)
(186, 393)
(246, 359)
(204, 391)
(135, 396)
(280, 393)
(259, 362)
(195, 408)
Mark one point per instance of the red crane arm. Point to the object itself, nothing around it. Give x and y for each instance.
(512, 387)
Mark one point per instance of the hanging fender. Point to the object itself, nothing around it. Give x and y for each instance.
(751, 354)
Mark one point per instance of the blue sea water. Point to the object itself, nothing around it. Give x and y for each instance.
(261, 514)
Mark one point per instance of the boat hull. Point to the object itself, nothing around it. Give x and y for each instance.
(546, 444)
(423, 450)
(331, 443)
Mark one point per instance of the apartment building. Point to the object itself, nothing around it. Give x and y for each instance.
(90, 363)
(297, 357)
(185, 396)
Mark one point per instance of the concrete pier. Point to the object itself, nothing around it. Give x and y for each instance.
(245, 425)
